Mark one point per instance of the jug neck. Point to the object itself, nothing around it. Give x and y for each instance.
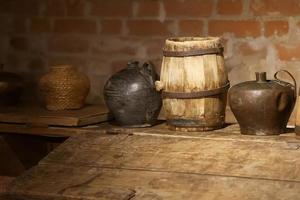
(261, 77)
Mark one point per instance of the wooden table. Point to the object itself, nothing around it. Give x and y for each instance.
(155, 163)
(28, 132)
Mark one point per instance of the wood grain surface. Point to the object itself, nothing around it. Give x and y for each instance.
(156, 163)
(38, 116)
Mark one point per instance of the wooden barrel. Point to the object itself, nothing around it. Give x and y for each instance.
(194, 83)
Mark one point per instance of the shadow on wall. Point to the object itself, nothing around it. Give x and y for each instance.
(36, 68)
(30, 74)
(244, 57)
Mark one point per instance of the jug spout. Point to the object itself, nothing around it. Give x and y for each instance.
(261, 77)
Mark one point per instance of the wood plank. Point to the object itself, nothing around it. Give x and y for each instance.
(230, 132)
(159, 164)
(51, 131)
(39, 131)
(89, 183)
(270, 158)
(33, 114)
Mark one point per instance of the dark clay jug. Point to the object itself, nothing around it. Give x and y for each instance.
(131, 96)
(11, 86)
(263, 107)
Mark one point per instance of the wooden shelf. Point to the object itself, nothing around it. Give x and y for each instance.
(36, 115)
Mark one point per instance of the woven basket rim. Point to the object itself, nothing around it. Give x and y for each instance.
(193, 39)
(65, 66)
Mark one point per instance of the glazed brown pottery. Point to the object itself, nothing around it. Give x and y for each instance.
(263, 107)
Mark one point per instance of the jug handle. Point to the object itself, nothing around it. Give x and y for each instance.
(291, 76)
(159, 85)
(147, 72)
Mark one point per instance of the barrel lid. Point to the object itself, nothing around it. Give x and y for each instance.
(190, 43)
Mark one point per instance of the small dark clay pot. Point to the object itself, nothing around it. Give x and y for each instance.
(263, 107)
(131, 96)
(11, 86)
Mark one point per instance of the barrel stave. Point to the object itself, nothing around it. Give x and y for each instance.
(193, 74)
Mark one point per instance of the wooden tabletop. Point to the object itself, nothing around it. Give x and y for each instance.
(155, 163)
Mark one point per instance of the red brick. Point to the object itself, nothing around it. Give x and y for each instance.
(157, 63)
(75, 8)
(246, 50)
(276, 28)
(230, 7)
(112, 8)
(75, 26)
(109, 47)
(19, 43)
(148, 8)
(275, 7)
(78, 62)
(111, 26)
(118, 65)
(188, 8)
(298, 25)
(288, 53)
(56, 8)
(148, 28)
(20, 7)
(239, 28)
(154, 46)
(30, 7)
(191, 27)
(40, 25)
(7, 26)
(68, 44)
(20, 25)
(126, 51)
(6, 6)
(99, 66)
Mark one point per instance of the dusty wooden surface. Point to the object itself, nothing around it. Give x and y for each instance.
(61, 131)
(51, 131)
(34, 120)
(160, 164)
(36, 116)
(19, 153)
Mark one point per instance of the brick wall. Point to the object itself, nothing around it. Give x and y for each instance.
(100, 36)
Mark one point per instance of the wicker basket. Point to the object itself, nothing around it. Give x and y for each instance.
(64, 88)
